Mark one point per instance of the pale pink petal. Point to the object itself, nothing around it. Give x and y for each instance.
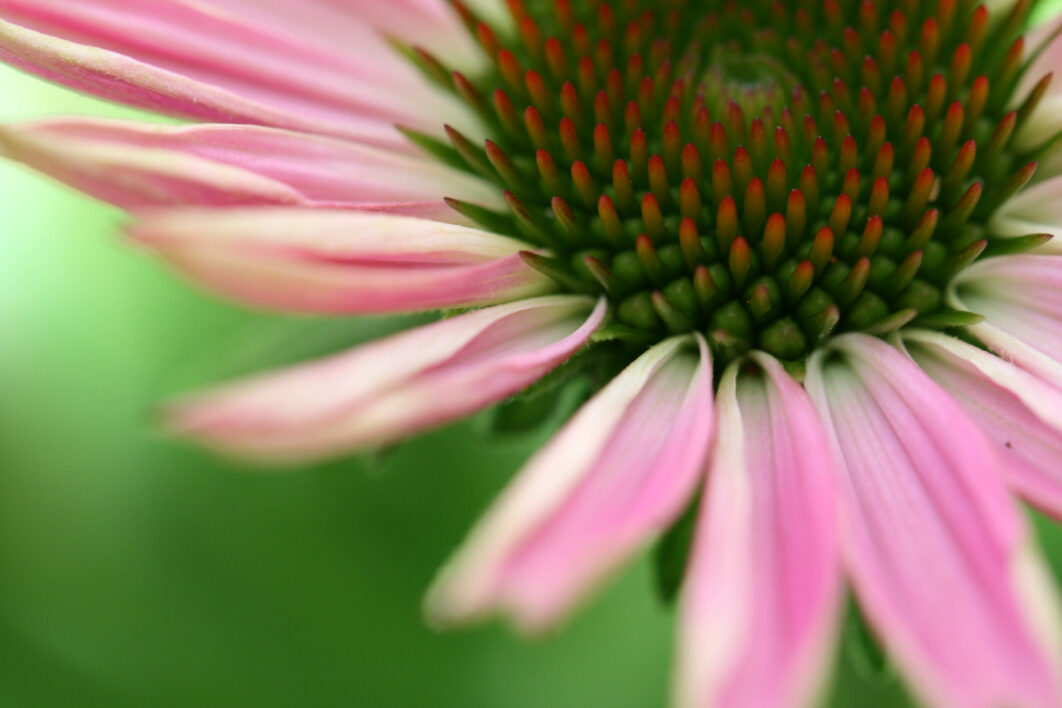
(322, 260)
(1015, 409)
(1044, 48)
(135, 165)
(307, 38)
(762, 593)
(193, 61)
(432, 210)
(941, 562)
(381, 392)
(619, 472)
(431, 24)
(1035, 210)
(1043, 123)
(1020, 298)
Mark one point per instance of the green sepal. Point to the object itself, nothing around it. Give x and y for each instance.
(1011, 245)
(551, 399)
(621, 333)
(471, 154)
(948, 318)
(527, 412)
(554, 270)
(891, 323)
(486, 218)
(866, 656)
(427, 63)
(671, 555)
(518, 415)
(436, 148)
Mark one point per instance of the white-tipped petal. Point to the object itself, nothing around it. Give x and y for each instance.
(763, 589)
(1014, 408)
(262, 69)
(941, 562)
(1043, 50)
(618, 473)
(136, 165)
(1035, 210)
(1020, 298)
(381, 392)
(320, 260)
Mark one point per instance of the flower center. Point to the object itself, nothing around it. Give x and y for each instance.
(766, 173)
(756, 82)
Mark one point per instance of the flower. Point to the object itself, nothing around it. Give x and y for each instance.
(803, 251)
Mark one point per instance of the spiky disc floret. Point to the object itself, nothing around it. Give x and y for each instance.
(764, 172)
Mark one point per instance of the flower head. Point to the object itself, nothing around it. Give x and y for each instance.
(801, 252)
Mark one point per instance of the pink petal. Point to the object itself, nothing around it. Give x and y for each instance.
(431, 210)
(940, 559)
(1021, 300)
(186, 59)
(320, 260)
(620, 471)
(1015, 409)
(381, 392)
(432, 24)
(763, 588)
(135, 165)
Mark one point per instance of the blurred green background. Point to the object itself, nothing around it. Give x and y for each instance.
(138, 572)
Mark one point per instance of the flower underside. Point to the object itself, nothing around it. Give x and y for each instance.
(766, 173)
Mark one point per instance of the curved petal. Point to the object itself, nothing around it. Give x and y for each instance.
(1020, 298)
(1035, 210)
(1015, 409)
(200, 62)
(940, 559)
(620, 471)
(763, 588)
(319, 260)
(1045, 48)
(432, 24)
(1039, 127)
(135, 165)
(381, 392)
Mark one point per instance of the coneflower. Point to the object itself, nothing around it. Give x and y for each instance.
(801, 251)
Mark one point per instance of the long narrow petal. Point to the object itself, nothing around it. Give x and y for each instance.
(1044, 47)
(1036, 210)
(135, 165)
(620, 471)
(381, 392)
(1020, 298)
(763, 589)
(320, 260)
(309, 38)
(432, 24)
(1015, 409)
(153, 54)
(940, 559)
